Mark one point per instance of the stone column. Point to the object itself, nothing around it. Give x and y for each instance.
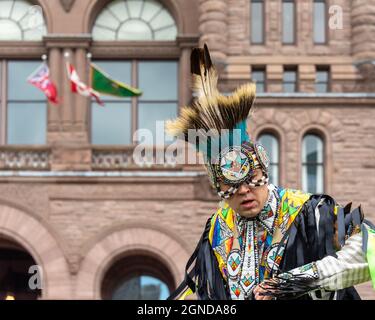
(363, 41)
(363, 29)
(67, 129)
(186, 43)
(275, 74)
(307, 76)
(213, 25)
(82, 103)
(54, 123)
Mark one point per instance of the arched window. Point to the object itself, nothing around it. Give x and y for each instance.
(137, 277)
(143, 20)
(271, 144)
(15, 272)
(157, 77)
(23, 107)
(20, 20)
(141, 287)
(313, 164)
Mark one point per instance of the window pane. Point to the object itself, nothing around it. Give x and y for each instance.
(322, 76)
(258, 76)
(166, 33)
(319, 22)
(141, 288)
(6, 8)
(103, 34)
(257, 21)
(162, 20)
(290, 81)
(106, 19)
(150, 9)
(260, 87)
(134, 8)
(290, 76)
(288, 22)
(18, 87)
(9, 30)
(158, 80)
(313, 178)
(119, 10)
(134, 30)
(289, 87)
(313, 165)
(312, 149)
(321, 87)
(27, 123)
(111, 124)
(20, 9)
(149, 113)
(274, 174)
(271, 144)
(320, 180)
(34, 34)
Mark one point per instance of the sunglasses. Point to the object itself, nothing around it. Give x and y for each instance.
(251, 182)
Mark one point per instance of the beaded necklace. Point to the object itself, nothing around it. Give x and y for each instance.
(246, 262)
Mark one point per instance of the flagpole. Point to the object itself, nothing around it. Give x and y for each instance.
(89, 107)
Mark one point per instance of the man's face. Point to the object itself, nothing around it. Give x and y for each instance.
(248, 201)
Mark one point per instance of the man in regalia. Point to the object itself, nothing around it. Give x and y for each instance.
(264, 242)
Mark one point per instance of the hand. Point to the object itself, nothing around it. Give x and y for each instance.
(260, 290)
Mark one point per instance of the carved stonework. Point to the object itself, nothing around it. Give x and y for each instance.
(135, 50)
(110, 160)
(74, 263)
(25, 159)
(67, 4)
(125, 159)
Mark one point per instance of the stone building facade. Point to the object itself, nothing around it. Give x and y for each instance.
(91, 218)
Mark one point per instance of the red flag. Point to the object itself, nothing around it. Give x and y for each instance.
(77, 86)
(41, 79)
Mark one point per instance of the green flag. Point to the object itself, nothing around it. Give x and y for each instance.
(102, 83)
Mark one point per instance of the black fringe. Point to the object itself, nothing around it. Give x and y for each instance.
(306, 245)
(204, 278)
(288, 286)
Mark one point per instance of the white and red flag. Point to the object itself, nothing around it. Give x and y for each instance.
(41, 79)
(79, 87)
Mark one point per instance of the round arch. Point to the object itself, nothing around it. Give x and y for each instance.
(271, 129)
(280, 136)
(154, 242)
(46, 11)
(133, 264)
(95, 7)
(35, 237)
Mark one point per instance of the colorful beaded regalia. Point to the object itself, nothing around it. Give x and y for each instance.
(309, 246)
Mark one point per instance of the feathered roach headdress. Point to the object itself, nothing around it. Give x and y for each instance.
(219, 122)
